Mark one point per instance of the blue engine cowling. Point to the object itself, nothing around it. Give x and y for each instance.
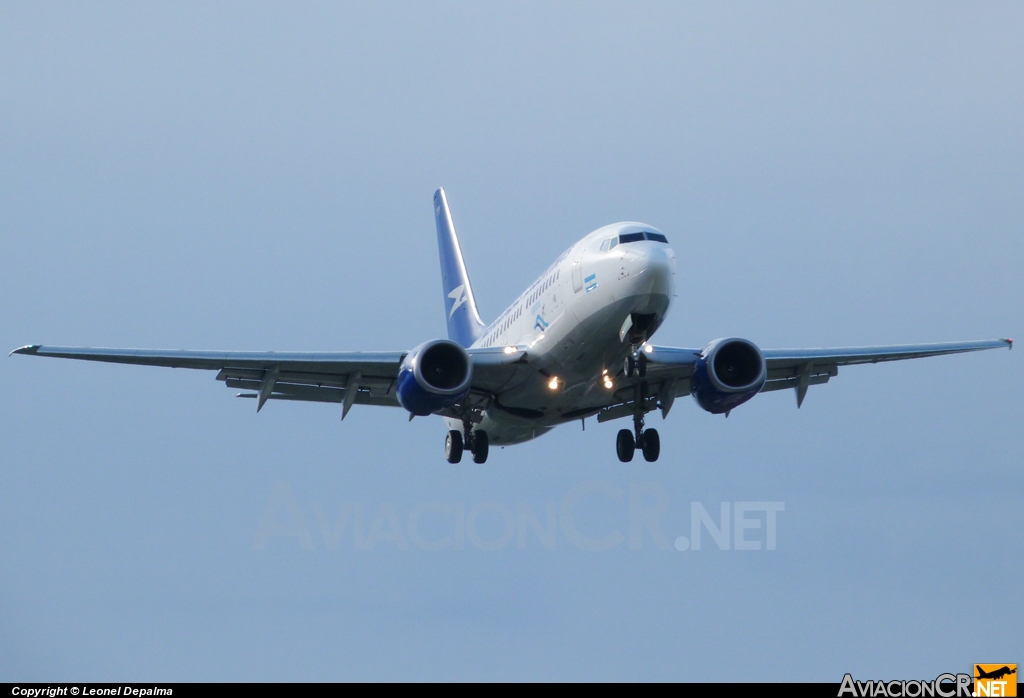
(434, 375)
(728, 373)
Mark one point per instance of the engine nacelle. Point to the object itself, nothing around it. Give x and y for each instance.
(434, 375)
(728, 373)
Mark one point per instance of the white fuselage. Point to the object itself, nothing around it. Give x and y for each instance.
(572, 321)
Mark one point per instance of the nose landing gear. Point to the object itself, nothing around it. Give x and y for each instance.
(635, 364)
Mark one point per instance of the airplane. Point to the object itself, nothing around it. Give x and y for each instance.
(996, 674)
(575, 344)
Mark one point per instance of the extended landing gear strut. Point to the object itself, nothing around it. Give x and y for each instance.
(476, 441)
(647, 440)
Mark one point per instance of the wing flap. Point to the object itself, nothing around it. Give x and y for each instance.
(794, 382)
(326, 395)
(330, 380)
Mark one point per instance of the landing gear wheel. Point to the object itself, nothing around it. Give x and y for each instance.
(481, 445)
(625, 446)
(453, 447)
(630, 367)
(651, 445)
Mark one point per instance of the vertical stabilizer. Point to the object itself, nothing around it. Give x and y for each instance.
(464, 323)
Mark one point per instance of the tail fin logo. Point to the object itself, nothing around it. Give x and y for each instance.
(459, 295)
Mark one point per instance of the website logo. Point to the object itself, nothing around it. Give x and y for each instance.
(989, 680)
(995, 680)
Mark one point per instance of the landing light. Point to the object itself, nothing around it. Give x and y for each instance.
(608, 383)
(648, 348)
(553, 383)
(510, 350)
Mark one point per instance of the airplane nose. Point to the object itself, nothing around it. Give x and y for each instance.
(654, 269)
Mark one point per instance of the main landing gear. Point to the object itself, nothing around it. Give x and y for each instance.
(645, 440)
(453, 446)
(476, 441)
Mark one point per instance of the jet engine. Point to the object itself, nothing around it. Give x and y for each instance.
(434, 375)
(728, 373)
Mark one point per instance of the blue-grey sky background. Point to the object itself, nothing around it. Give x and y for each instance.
(252, 176)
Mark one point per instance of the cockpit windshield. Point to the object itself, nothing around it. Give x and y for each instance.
(637, 237)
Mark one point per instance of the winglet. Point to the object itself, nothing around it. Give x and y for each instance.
(33, 348)
(1010, 342)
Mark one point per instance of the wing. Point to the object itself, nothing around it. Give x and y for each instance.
(362, 378)
(800, 368)
(669, 369)
(307, 376)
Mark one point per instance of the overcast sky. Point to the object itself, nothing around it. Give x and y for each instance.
(250, 176)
